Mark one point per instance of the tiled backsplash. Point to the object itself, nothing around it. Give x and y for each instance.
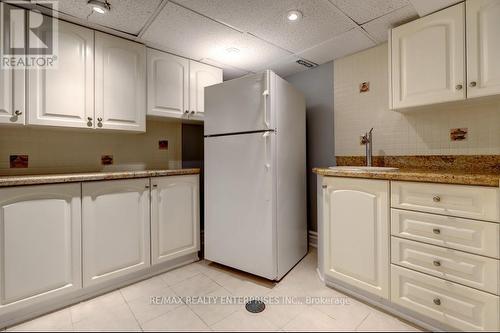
(56, 150)
(419, 132)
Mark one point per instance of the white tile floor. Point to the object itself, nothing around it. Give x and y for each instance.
(129, 309)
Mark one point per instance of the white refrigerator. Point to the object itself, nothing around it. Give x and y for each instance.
(255, 175)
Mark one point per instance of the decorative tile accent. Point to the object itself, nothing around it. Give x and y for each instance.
(458, 134)
(18, 161)
(106, 159)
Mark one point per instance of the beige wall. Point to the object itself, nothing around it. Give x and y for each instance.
(420, 132)
(57, 150)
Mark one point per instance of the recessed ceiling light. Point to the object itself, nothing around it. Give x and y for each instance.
(294, 15)
(99, 6)
(232, 50)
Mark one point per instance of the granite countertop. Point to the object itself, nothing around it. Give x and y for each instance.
(90, 176)
(420, 175)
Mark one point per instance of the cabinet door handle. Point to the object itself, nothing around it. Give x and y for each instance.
(186, 112)
(473, 84)
(89, 121)
(436, 198)
(18, 113)
(459, 87)
(147, 186)
(436, 231)
(155, 185)
(436, 263)
(193, 112)
(437, 301)
(324, 186)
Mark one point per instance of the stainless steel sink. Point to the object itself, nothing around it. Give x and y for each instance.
(364, 169)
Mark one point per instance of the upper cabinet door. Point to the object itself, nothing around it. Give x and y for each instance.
(168, 84)
(120, 87)
(428, 59)
(201, 76)
(64, 95)
(12, 91)
(483, 48)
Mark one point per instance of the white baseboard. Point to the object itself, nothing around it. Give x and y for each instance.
(313, 238)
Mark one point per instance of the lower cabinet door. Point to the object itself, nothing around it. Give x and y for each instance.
(40, 232)
(175, 223)
(356, 233)
(115, 229)
(450, 303)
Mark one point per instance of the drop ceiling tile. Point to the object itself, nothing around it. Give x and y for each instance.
(181, 31)
(379, 27)
(229, 72)
(363, 11)
(267, 19)
(286, 66)
(349, 42)
(425, 7)
(128, 16)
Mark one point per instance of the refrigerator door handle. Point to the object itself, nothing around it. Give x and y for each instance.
(267, 165)
(266, 121)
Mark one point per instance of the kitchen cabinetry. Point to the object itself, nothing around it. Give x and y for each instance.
(200, 76)
(483, 49)
(12, 83)
(64, 96)
(428, 62)
(356, 233)
(428, 59)
(168, 85)
(40, 230)
(120, 84)
(174, 217)
(115, 229)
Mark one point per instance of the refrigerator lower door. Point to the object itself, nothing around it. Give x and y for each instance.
(239, 194)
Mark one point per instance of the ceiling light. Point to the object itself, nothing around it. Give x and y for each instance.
(99, 6)
(293, 15)
(232, 50)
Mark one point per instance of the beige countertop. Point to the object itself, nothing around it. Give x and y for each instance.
(420, 175)
(89, 176)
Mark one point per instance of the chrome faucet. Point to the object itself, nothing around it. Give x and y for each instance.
(367, 140)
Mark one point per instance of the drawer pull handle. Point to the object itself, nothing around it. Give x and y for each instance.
(436, 231)
(436, 198)
(437, 301)
(436, 263)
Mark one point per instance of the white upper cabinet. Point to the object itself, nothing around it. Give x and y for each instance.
(428, 59)
(483, 47)
(115, 229)
(64, 96)
(356, 233)
(168, 85)
(201, 76)
(120, 83)
(12, 86)
(175, 217)
(41, 244)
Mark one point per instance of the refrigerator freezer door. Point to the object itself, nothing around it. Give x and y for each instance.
(239, 193)
(240, 105)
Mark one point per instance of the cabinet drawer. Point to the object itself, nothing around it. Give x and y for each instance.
(452, 304)
(456, 233)
(468, 269)
(475, 202)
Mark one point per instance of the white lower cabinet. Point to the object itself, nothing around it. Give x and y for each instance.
(115, 229)
(452, 304)
(174, 217)
(40, 232)
(356, 233)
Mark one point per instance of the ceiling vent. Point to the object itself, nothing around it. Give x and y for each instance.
(306, 63)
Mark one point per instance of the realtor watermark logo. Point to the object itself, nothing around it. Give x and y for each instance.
(28, 39)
